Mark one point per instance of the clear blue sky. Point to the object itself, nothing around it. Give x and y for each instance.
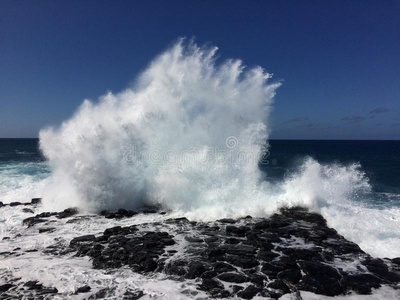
(339, 60)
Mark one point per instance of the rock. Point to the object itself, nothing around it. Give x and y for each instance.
(249, 292)
(361, 283)
(209, 284)
(316, 269)
(113, 230)
(227, 221)
(36, 200)
(291, 275)
(396, 260)
(5, 287)
(133, 295)
(15, 203)
(31, 221)
(279, 285)
(221, 267)
(69, 212)
(83, 289)
(46, 214)
(196, 269)
(6, 238)
(288, 252)
(232, 277)
(1, 204)
(81, 239)
(239, 231)
(381, 270)
(27, 210)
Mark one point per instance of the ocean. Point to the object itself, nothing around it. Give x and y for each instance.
(24, 174)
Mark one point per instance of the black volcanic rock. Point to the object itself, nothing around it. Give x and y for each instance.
(69, 212)
(291, 251)
(32, 221)
(36, 200)
(232, 277)
(5, 287)
(83, 289)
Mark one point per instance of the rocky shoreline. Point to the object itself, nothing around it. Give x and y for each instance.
(291, 251)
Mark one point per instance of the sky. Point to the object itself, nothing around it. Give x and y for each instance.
(339, 61)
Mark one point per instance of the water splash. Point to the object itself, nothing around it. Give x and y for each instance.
(188, 136)
(122, 151)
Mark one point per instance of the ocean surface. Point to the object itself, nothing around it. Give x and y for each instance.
(369, 218)
(22, 164)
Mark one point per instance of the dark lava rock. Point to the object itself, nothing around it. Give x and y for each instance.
(239, 231)
(83, 289)
(227, 221)
(69, 212)
(121, 213)
(27, 210)
(1, 204)
(5, 287)
(36, 200)
(81, 239)
(133, 295)
(210, 284)
(291, 251)
(232, 277)
(32, 221)
(15, 203)
(249, 292)
(361, 283)
(115, 248)
(292, 275)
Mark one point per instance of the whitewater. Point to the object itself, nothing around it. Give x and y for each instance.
(188, 136)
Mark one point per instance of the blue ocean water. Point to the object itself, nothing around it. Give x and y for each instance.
(380, 160)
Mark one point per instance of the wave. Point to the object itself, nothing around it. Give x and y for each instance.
(189, 135)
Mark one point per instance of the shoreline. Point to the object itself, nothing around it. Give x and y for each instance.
(289, 253)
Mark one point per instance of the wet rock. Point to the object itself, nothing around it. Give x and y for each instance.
(227, 221)
(81, 239)
(279, 285)
(291, 251)
(15, 203)
(83, 289)
(292, 275)
(249, 292)
(5, 287)
(133, 295)
(316, 269)
(36, 200)
(121, 213)
(31, 221)
(239, 231)
(1, 204)
(232, 277)
(361, 283)
(69, 212)
(381, 270)
(209, 284)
